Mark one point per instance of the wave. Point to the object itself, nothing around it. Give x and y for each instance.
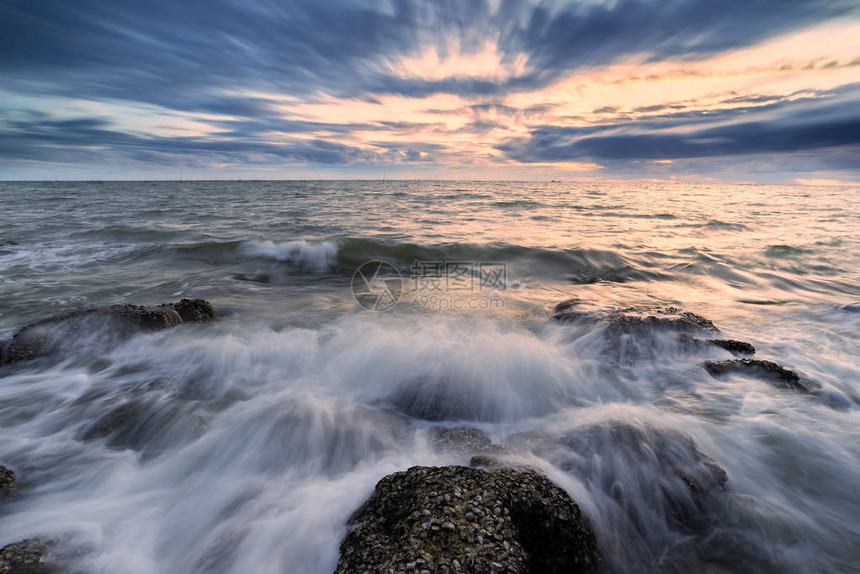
(344, 256)
(786, 251)
(578, 266)
(716, 224)
(65, 256)
(726, 226)
(631, 215)
(315, 257)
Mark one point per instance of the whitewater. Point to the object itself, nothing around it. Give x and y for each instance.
(245, 443)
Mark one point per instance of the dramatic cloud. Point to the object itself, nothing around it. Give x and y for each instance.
(790, 126)
(502, 86)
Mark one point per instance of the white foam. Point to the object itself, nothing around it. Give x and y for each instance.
(296, 425)
(316, 257)
(64, 256)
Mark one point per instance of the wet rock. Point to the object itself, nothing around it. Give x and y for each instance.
(630, 334)
(566, 306)
(26, 557)
(642, 319)
(113, 420)
(193, 310)
(149, 425)
(734, 346)
(104, 324)
(486, 461)
(769, 371)
(674, 483)
(439, 397)
(459, 519)
(462, 440)
(7, 481)
(638, 332)
(634, 319)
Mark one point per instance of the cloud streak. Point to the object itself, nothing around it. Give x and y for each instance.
(785, 127)
(394, 81)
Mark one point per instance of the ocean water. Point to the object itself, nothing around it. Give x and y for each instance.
(244, 444)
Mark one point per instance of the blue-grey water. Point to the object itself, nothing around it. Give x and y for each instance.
(243, 445)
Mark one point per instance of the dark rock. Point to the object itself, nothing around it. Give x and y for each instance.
(634, 333)
(733, 346)
(459, 519)
(7, 481)
(432, 397)
(462, 440)
(146, 424)
(627, 332)
(566, 306)
(486, 461)
(194, 310)
(117, 322)
(675, 483)
(114, 419)
(635, 319)
(638, 319)
(771, 372)
(26, 557)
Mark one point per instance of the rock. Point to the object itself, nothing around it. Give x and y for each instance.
(462, 440)
(460, 519)
(632, 334)
(675, 483)
(485, 461)
(771, 372)
(193, 310)
(635, 319)
(7, 481)
(733, 345)
(638, 319)
(26, 557)
(113, 323)
(437, 397)
(566, 306)
(626, 331)
(113, 420)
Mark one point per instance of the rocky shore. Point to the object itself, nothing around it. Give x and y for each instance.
(106, 325)
(624, 327)
(494, 516)
(58, 335)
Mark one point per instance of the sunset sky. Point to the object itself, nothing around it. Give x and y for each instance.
(764, 91)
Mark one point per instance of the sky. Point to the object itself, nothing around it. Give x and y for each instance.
(740, 91)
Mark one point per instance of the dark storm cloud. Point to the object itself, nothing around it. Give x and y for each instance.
(803, 125)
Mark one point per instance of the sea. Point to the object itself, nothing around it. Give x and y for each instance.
(355, 319)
